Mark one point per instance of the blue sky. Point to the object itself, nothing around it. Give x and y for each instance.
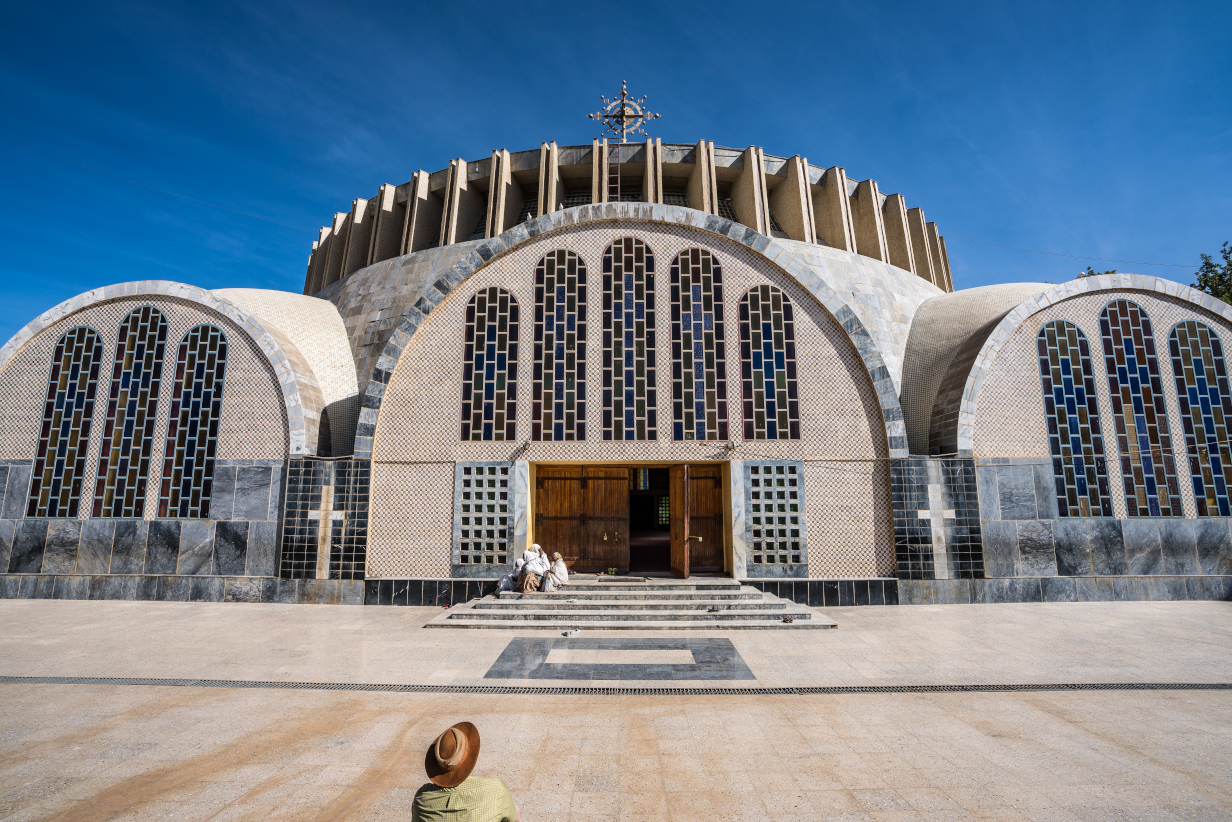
(1098, 129)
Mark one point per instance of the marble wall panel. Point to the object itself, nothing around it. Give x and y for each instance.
(60, 550)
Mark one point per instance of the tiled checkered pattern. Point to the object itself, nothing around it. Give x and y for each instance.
(1075, 435)
(1005, 426)
(768, 365)
(60, 468)
(194, 420)
(842, 436)
(1206, 408)
(254, 415)
(127, 446)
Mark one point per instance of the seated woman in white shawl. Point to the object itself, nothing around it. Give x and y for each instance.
(560, 572)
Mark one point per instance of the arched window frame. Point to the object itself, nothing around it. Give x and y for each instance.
(558, 392)
(630, 399)
(1071, 406)
(1148, 470)
(127, 444)
(699, 347)
(192, 424)
(1205, 404)
(59, 467)
(490, 367)
(769, 392)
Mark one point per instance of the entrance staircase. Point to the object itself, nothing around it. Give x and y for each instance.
(635, 603)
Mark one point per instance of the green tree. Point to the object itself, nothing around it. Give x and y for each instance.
(1216, 279)
(1091, 272)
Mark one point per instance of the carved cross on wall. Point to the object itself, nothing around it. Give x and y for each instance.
(937, 514)
(326, 518)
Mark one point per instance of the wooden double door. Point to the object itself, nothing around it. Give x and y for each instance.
(583, 512)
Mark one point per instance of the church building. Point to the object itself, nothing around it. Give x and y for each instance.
(657, 358)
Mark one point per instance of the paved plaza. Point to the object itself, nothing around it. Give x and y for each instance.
(141, 752)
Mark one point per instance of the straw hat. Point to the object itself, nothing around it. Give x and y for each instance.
(451, 756)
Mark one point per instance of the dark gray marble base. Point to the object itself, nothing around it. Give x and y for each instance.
(197, 588)
(712, 659)
(1065, 589)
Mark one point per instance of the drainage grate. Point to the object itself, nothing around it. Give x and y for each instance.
(589, 691)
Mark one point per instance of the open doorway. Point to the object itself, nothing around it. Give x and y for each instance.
(650, 524)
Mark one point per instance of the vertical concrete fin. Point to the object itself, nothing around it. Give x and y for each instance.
(496, 196)
(556, 191)
(598, 157)
(790, 203)
(361, 236)
(748, 192)
(652, 185)
(832, 209)
(308, 272)
(712, 178)
(337, 248)
(945, 260)
(453, 192)
(934, 256)
(870, 227)
(898, 235)
(919, 245)
(545, 174)
(386, 227)
(424, 212)
(699, 180)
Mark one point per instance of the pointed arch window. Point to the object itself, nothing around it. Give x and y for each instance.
(1206, 410)
(1136, 392)
(630, 400)
(60, 466)
(490, 367)
(192, 424)
(699, 349)
(132, 405)
(1071, 406)
(558, 395)
(768, 365)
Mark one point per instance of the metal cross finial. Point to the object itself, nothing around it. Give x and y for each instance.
(623, 115)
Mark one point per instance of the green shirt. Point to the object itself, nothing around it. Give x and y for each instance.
(475, 800)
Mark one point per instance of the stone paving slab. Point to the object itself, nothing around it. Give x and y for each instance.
(892, 645)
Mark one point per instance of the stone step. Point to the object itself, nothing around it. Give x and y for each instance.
(632, 606)
(626, 625)
(655, 586)
(637, 596)
(464, 613)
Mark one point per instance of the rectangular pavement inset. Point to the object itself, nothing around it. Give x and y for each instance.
(713, 659)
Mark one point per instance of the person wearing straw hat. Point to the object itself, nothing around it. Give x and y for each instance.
(453, 793)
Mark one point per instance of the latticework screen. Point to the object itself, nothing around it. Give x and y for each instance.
(629, 396)
(1074, 432)
(490, 367)
(558, 401)
(132, 409)
(483, 522)
(192, 425)
(60, 467)
(1136, 391)
(774, 499)
(699, 350)
(1205, 406)
(768, 365)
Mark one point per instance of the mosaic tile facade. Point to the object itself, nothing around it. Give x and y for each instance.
(1206, 408)
(330, 497)
(128, 438)
(1148, 469)
(490, 367)
(192, 429)
(483, 516)
(1075, 436)
(699, 347)
(558, 396)
(60, 466)
(768, 365)
(776, 533)
(842, 434)
(630, 398)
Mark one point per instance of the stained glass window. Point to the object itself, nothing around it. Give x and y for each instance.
(1206, 408)
(699, 351)
(775, 529)
(629, 397)
(558, 396)
(481, 511)
(768, 365)
(132, 404)
(490, 367)
(1071, 406)
(1136, 393)
(55, 487)
(192, 424)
